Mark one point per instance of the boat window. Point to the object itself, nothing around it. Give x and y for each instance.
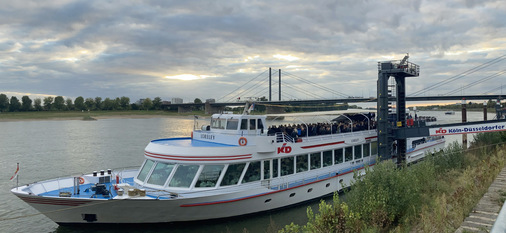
(232, 124)
(209, 176)
(252, 124)
(374, 148)
(338, 156)
(366, 151)
(244, 124)
(160, 173)
(252, 173)
(260, 124)
(358, 151)
(287, 166)
(184, 176)
(217, 123)
(232, 174)
(327, 158)
(267, 169)
(275, 164)
(348, 154)
(316, 160)
(145, 170)
(301, 164)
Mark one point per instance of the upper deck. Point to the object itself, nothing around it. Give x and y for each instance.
(233, 137)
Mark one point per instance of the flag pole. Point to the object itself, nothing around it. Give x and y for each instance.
(17, 179)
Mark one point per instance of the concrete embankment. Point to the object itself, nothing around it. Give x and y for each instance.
(485, 213)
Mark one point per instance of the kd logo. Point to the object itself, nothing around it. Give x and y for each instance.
(284, 149)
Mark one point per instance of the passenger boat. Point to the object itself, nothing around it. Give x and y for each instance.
(234, 166)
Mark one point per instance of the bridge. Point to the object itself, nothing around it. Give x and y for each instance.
(261, 87)
(219, 106)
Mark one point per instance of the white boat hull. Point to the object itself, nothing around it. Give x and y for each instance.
(71, 210)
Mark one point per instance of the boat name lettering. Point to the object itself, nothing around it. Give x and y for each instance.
(207, 136)
(355, 140)
(469, 129)
(284, 149)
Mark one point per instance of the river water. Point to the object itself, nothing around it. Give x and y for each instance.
(50, 149)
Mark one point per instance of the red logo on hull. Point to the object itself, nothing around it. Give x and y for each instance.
(284, 149)
(441, 130)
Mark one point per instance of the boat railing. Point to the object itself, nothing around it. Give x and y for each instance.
(336, 135)
(282, 137)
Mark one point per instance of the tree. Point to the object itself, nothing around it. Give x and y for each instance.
(107, 104)
(14, 105)
(197, 101)
(59, 103)
(89, 103)
(147, 104)
(48, 103)
(98, 103)
(79, 103)
(125, 103)
(117, 104)
(26, 103)
(4, 103)
(37, 104)
(68, 103)
(157, 103)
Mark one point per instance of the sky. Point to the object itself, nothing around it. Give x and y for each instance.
(212, 49)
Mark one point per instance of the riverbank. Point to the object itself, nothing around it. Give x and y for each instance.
(74, 115)
(432, 196)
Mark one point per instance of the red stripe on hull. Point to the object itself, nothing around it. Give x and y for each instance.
(197, 159)
(263, 194)
(326, 144)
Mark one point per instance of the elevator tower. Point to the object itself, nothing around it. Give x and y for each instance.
(399, 70)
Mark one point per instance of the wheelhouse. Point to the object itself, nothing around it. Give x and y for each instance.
(240, 124)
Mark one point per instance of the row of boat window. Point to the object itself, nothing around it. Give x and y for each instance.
(183, 175)
(233, 124)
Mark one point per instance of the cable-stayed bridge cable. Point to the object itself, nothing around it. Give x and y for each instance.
(476, 82)
(461, 75)
(243, 85)
(318, 85)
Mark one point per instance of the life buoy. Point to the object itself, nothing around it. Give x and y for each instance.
(243, 141)
(81, 180)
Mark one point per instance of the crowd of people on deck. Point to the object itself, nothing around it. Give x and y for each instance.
(302, 130)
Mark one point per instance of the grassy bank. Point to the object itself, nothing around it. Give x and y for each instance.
(48, 115)
(432, 196)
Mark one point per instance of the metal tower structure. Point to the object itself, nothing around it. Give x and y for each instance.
(399, 70)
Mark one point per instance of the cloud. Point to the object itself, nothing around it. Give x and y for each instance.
(127, 48)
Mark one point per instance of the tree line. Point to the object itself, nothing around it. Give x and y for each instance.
(58, 103)
(470, 105)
